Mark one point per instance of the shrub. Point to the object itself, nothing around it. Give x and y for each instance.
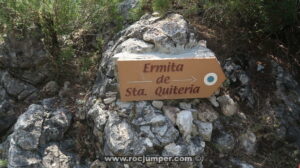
(3, 163)
(58, 18)
(161, 6)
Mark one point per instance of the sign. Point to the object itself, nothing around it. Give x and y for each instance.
(169, 78)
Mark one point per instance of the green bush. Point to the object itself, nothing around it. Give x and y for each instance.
(161, 6)
(143, 7)
(3, 163)
(267, 16)
(57, 19)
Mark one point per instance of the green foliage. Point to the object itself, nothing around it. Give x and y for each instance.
(3, 163)
(85, 63)
(143, 7)
(57, 19)
(265, 16)
(161, 6)
(66, 55)
(189, 7)
(65, 16)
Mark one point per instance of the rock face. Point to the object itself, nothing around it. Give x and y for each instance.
(24, 66)
(30, 145)
(25, 58)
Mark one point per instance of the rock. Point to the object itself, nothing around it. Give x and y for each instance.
(248, 142)
(288, 93)
(98, 164)
(166, 133)
(66, 90)
(171, 113)
(32, 132)
(228, 106)
(50, 89)
(146, 132)
(55, 125)
(224, 142)
(205, 129)
(140, 128)
(194, 148)
(207, 113)
(172, 150)
(4, 148)
(23, 158)
(98, 115)
(260, 67)
(26, 58)
(184, 121)
(28, 129)
(8, 115)
(244, 79)
(124, 105)
(185, 106)
(139, 106)
(213, 101)
(120, 136)
(53, 157)
(134, 45)
(109, 100)
(25, 139)
(16, 88)
(158, 104)
(168, 34)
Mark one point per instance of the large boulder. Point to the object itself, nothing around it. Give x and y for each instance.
(143, 127)
(31, 143)
(166, 34)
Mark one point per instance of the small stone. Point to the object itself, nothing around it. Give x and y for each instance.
(111, 94)
(66, 90)
(205, 129)
(172, 150)
(148, 143)
(171, 113)
(184, 121)
(228, 106)
(109, 100)
(98, 164)
(213, 101)
(54, 157)
(158, 104)
(248, 142)
(51, 88)
(124, 105)
(242, 115)
(224, 142)
(260, 67)
(185, 106)
(208, 116)
(207, 113)
(244, 79)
